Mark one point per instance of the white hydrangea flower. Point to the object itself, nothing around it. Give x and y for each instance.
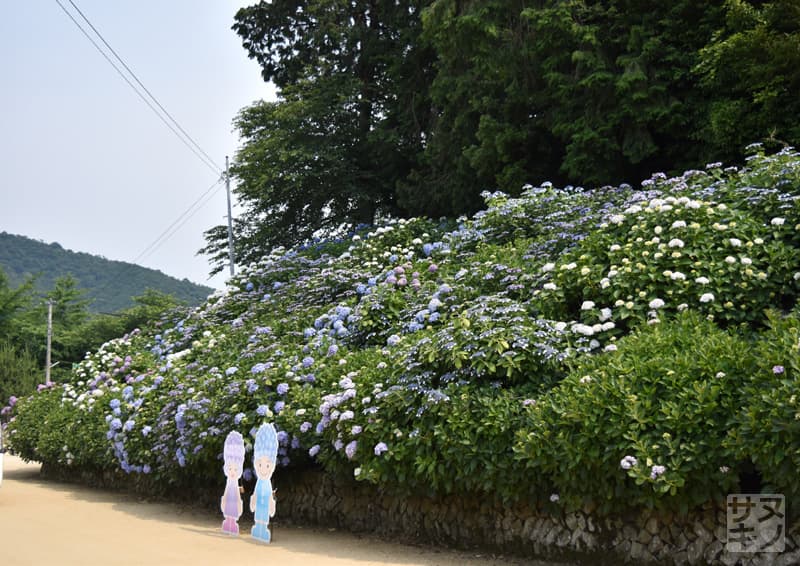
(679, 224)
(656, 304)
(675, 243)
(702, 280)
(777, 221)
(730, 259)
(548, 267)
(706, 297)
(587, 305)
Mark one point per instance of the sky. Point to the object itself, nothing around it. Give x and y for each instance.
(85, 162)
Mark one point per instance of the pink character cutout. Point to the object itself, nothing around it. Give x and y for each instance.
(231, 501)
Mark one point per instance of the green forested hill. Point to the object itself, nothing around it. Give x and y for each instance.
(109, 284)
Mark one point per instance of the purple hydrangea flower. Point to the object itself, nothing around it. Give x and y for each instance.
(278, 407)
(351, 448)
(314, 450)
(283, 388)
(777, 370)
(380, 448)
(262, 410)
(305, 426)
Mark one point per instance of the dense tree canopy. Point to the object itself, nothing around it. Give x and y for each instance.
(414, 107)
(348, 126)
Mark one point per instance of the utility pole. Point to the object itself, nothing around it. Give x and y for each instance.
(230, 218)
(49, 341)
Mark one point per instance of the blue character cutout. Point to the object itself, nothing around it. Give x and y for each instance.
(262, 502)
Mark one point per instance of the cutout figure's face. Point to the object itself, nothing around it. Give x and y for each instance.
(264, 467)
(232, 470)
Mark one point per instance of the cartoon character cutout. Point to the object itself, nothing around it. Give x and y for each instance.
(231, 502)
(262, 502)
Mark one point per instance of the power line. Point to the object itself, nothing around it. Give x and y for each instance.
(150, 94)
(184, 221)
(179, 222)
(199, 153)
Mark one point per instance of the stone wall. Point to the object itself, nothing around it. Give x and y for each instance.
(313, 498)
(699, 538)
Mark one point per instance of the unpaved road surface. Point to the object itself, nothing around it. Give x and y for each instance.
(50, 523)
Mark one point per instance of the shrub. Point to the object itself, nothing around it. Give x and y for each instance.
(645, 425)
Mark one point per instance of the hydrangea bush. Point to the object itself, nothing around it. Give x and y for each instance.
(565, 346)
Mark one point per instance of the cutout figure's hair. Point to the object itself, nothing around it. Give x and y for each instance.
(266, 442)
(234, 448)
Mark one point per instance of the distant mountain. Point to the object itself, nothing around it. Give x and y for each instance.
(109, 284)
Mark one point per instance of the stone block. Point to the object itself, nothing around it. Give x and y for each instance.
(638, 553)
(655, 545)
(713, 551)
(695, 551)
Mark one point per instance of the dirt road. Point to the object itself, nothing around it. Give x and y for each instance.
(50, 523)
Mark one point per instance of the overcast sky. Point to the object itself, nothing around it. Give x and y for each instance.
(85, 162)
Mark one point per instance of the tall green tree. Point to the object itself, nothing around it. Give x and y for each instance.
(13, 301)
(19, 371)
(70, 312)
(349, 124)
(584, 92)
(751, 73)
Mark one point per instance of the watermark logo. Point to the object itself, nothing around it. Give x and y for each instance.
(756, 522)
